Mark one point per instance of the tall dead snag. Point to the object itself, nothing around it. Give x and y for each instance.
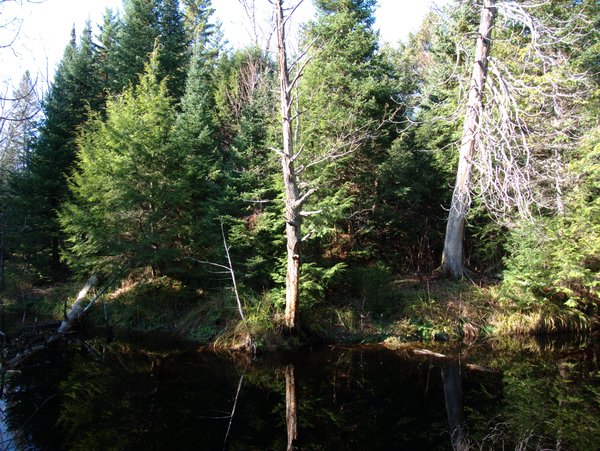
(452, 257)
(293, 200)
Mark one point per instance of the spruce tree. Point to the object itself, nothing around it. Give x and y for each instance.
(146, 23)
(107, 54)
(197, 15)
(174, 55)
(135, 41)
(39, 192)
(194, 135)
(129, 199)
(347, 100)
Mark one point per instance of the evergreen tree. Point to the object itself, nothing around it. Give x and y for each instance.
(129, 200)
(107, 54)
(197, 14)
(224, 121)
(194, 135)
(244, 105)
(174, 55)
(16, 136)
(145, 23)
(348, 95)
(135, 41)
(39, 192)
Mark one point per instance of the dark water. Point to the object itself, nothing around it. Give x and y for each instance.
(142, 396)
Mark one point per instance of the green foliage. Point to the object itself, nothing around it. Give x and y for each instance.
(160, 303)
(372, 289)
(556, 258)
(346, 94)
(145, 24)
(413, 188)
(130, 204)
(315, 280)
(38, 191)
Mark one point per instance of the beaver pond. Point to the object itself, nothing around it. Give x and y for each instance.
(131, 394)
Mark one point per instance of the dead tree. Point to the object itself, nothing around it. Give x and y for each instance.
(452, 258)
(521, 118)
(293, 199)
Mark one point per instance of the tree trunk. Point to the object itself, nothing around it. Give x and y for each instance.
(291, 407)
(452, 258)
(293, 219)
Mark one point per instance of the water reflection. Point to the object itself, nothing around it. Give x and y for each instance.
(451, 379)
(124, 397)
(291, 408)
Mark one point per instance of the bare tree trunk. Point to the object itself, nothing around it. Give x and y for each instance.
(293, 219)
(291, 407)
(452, 258)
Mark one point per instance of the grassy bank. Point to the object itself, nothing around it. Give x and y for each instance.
(392, 311)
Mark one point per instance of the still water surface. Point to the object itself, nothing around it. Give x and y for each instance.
(165, 396)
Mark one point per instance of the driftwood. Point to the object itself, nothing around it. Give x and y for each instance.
(481, 369)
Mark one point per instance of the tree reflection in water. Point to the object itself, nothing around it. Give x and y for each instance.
(451, 378)
(291, 407)
(130, 397)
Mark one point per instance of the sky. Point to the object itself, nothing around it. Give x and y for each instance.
(42, 28)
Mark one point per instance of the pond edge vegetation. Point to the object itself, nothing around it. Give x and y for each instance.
(256, 199)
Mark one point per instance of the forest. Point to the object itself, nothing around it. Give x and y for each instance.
(328, 189)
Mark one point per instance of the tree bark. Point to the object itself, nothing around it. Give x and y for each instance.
(452, 257)
(293, 219)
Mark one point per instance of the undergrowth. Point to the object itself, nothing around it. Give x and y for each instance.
(373, 308)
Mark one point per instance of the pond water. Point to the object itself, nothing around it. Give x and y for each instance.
(131, 395)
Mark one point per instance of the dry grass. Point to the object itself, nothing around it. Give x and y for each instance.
(544, 320)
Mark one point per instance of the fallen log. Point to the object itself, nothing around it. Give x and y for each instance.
(470, 366)
(77, 308)
(76, 312)
(481, 369)
(430, 353)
